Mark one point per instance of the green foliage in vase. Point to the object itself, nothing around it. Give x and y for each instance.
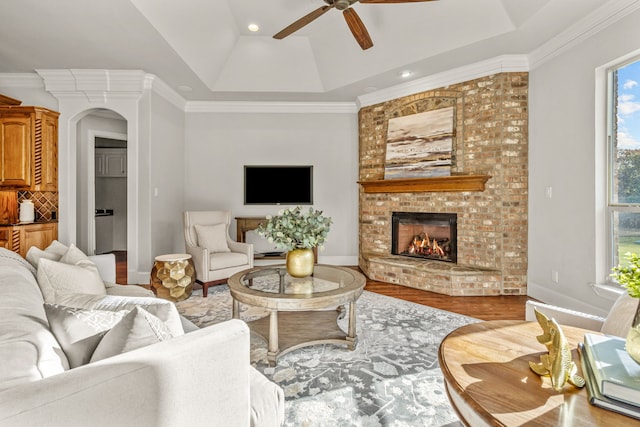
(294, 229)
(629, 275)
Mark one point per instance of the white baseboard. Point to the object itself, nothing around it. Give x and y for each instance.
(549, 296)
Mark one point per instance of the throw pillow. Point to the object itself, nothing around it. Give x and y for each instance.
(137, 329)
(34, 254)
(162, 309)
(56, 248)
(79, 331)
(213, 237)
(73, 255)
(57, 278)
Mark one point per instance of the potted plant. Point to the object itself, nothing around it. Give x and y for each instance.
(297, 232)
(628, 275)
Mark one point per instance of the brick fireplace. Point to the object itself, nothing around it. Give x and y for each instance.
(491, 142)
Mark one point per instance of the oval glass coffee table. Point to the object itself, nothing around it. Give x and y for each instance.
(302, 312)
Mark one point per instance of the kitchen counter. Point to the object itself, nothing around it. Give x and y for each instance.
(53, 221)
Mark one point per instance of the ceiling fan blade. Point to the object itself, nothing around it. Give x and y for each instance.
(357, 28)
(394, 1)
(307, 19)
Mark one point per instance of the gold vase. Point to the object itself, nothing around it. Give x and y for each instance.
(633, 338)
(300, 262)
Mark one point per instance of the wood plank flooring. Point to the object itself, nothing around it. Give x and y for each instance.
(484, 308)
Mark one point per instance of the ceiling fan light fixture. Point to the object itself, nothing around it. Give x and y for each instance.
(253, 27)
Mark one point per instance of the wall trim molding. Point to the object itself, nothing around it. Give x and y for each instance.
(606, 15)
(271, 107)
(553, 297)
(498, 64)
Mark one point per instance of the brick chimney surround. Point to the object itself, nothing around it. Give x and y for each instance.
(491, 151)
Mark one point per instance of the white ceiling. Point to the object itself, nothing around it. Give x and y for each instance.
(205, 45)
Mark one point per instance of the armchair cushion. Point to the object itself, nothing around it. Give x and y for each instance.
(221, 260)
(213, 237)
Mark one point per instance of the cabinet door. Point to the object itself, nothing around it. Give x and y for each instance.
(15, 150)
(39, 235)
(45, 174)
(116, 163)
(5, 241)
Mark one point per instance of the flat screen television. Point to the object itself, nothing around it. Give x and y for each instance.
(278, 185)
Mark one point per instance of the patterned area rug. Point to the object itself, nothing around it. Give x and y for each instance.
(392, 378)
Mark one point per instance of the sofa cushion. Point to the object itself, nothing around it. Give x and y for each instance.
(137, 329)
(57, 278)
(79, 330)
(162, 309)
(212, 237)
(57, 248)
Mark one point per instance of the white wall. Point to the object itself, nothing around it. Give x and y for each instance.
(167, 174)
(565, 152)
(218, 145)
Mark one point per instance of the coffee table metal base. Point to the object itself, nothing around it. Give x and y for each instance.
(290, 330)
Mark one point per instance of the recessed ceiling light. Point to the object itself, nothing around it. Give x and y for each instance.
(406, 73)
(253, 27)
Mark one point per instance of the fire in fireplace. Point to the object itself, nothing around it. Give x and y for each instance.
(425, 235)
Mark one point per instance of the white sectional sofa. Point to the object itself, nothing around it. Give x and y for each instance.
(201, 378)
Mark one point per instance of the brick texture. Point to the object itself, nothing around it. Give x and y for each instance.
(491, 138)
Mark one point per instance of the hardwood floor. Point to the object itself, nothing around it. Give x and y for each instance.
(485, 308)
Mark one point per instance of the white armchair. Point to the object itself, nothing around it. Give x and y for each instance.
(215, 255)
(617, 322)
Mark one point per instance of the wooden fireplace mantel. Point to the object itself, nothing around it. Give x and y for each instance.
(418, 185)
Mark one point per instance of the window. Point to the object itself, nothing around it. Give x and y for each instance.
(623, 207)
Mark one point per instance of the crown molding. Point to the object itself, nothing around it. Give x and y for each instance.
(28, 80)
(499, 64)
(606, 15)
(271, 107)
(155, 84)
(96, 85)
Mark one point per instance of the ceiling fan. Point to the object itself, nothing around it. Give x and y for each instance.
(354, 22)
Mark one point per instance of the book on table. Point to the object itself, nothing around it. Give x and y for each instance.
(596, 398)
(616, 374)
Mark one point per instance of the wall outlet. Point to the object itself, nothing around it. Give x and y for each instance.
(555, 276)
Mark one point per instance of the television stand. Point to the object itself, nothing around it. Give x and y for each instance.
(244, 224)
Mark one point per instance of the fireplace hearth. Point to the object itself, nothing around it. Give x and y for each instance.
(425, 235)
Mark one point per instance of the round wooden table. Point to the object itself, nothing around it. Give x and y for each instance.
(302, 311)
(489, 382)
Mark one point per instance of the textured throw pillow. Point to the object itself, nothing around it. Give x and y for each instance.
(137, 329)
(57, 278)
(79, 331)
(161, 308)
(34, 254)
(56, 248)
(213, 237)
(73, 255)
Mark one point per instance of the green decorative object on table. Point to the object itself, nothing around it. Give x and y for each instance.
(628, 275)
(298, 232)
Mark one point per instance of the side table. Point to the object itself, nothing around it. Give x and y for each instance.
(172, 276)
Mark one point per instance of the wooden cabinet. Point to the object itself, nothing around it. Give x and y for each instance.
(111, 162)
(19, 238)
(28, 148)
(5, 234)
